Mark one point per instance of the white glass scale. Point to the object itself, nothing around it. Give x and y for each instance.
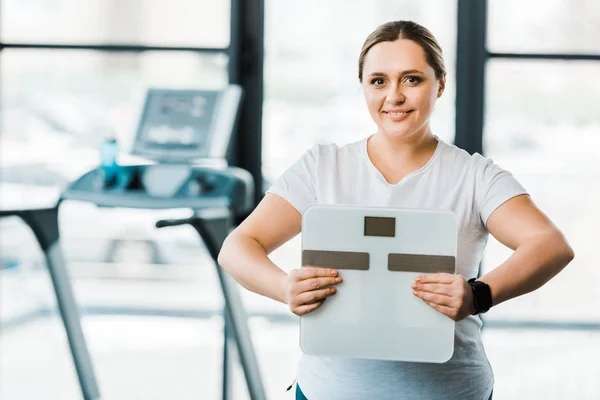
(379, 252)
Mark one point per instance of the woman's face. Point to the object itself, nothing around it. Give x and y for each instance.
(400, 88)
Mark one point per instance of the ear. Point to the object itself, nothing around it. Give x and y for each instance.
(442, 86)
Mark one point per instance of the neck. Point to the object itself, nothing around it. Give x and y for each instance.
(408, 152)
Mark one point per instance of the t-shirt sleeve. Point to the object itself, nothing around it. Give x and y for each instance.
(297, 185)
(494, 186)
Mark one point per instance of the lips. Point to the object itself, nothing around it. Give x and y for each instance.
(398, 112)
(397, 115)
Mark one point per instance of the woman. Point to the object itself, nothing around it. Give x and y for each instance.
(402, 73)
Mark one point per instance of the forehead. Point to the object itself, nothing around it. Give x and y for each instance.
(397, 56)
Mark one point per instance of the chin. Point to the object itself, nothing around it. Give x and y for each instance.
(401, 131)
(398, 133)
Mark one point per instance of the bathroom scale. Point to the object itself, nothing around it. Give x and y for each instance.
(379, 252)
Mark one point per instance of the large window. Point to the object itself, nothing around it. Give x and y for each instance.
(542, 123)
(312, 93)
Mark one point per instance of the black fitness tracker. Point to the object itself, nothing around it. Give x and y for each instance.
(482, 296)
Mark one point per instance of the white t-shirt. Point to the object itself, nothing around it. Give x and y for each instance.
(471, 186)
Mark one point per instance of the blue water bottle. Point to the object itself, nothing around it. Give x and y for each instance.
(108, 161)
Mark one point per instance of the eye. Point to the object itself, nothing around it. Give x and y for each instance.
(377, 81)
(413, 80)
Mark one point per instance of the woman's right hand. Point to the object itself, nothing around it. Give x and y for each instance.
(305, 289)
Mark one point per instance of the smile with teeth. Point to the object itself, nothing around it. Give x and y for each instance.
(398, 113)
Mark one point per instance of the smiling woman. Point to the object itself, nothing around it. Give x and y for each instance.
(402, 165)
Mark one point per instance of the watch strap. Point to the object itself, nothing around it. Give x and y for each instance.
(482, 296)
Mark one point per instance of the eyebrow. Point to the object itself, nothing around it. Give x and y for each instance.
(407, 72)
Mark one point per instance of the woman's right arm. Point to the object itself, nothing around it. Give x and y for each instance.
(244, 255)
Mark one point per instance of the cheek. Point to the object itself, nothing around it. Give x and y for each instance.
(373, 101)
(427, 101)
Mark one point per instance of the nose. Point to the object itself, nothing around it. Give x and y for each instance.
(395, 95)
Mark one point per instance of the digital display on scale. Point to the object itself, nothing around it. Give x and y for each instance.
(380, 226)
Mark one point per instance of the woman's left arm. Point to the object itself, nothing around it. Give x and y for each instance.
(540, 252)
(540, 249)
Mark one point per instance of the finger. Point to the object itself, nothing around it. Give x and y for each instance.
(439, 288)
(442, 277)
(443, 309)
(305, 309)
(434, 298)
(313, 272)
(313, 295)
(316, 283)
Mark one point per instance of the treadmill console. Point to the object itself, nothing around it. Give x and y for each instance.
(179, 126)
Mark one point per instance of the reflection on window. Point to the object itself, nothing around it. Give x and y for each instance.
(543, 124)
(194, 23)
(312, 93)
(544, 26)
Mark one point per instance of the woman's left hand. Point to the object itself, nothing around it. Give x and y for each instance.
(449, 294)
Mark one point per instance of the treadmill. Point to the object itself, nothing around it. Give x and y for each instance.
(185, 135)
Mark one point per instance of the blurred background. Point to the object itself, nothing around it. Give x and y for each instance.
(522, 89)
